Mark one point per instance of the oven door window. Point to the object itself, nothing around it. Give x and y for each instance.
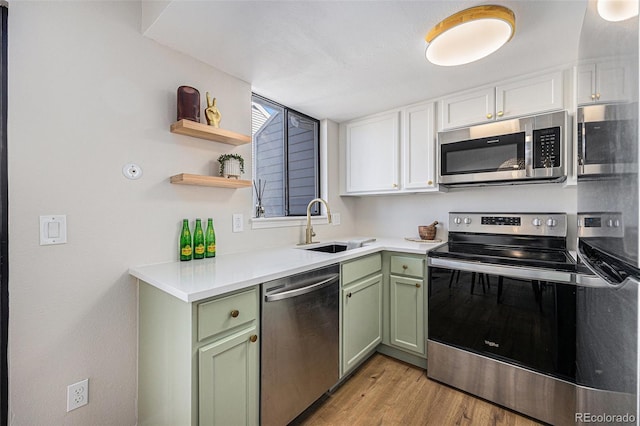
(500, 153)
(530, 323)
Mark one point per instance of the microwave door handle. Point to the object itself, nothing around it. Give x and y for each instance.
(583, 141)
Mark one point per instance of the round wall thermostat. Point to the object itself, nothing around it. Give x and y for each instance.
(132, 171)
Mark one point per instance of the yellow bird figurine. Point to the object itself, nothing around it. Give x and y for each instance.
(211, 113)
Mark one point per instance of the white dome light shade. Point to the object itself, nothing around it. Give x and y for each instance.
(617, 10)
(470, 35)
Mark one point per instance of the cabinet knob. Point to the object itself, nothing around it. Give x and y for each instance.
(429, 182)
(418, 285)
(395, 185)
(500, 113)
(597, 95)
(348, 294)
(404, 266)
(235, 313)
(593, 96)
(253, 338)
(489, 115)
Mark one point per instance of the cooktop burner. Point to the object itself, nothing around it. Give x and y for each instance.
(535, 240)
(505, 255)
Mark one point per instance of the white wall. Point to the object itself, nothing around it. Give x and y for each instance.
(88, 94)
(400, 215)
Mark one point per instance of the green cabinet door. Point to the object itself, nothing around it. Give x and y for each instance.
(362, 320)
(407, 313)
(228, 380)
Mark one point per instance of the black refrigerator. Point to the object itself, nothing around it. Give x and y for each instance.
(608, 194)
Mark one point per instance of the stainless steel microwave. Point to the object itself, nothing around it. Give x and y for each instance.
(522, 150)
(607, 140)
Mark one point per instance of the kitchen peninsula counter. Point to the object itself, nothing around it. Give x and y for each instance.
(201, 279)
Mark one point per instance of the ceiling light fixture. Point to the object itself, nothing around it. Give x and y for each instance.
(617, 10)
(470, 35)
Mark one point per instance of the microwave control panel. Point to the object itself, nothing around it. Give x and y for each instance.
(546, 148)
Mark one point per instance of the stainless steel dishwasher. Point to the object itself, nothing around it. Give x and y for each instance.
(300, 343)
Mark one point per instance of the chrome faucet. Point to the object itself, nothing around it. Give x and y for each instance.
(310, 234)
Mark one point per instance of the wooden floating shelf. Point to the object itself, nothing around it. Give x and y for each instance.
(201, 180)
(204, 131)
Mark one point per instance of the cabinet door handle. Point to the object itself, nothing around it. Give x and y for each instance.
(349, 294)
(405, 267)
(489, 115)
(418, 285)
(235, 313)
(500, 113)
(253, 338)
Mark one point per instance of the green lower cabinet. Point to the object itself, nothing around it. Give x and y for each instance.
(407, 313)
(228, 380)
(198, 363)
(362, 320)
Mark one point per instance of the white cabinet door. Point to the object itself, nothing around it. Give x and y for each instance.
(407, 313)
(606, 81)
(613, 81)
(530, 96)
(586, 84)
(467, 108)
(372, 147)
(418, 143)
(361, 321)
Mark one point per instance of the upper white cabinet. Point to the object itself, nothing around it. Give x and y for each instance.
(371, 154)
(392, 152)
(418, 148)
(606, 81)
(513, 99)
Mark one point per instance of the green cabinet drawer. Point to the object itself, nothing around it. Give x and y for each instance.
(226, 313)
(360, 268)
(411, 266)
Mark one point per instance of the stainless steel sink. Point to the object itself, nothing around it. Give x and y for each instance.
(329, 248)
(337, 247)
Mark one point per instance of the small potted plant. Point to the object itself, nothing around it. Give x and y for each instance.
(231, 165)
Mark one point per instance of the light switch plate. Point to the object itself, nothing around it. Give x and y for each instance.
(53, 229)
(335, 219)
(238, 226)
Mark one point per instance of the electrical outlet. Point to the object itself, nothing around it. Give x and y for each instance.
(335, 219)
(238, 226)
(77, 395)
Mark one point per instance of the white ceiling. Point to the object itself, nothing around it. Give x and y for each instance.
(347, 59)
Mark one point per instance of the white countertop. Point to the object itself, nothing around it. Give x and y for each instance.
(200, 279)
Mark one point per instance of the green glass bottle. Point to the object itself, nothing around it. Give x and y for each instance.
(185, 241)
(210, 239)
(198, 241)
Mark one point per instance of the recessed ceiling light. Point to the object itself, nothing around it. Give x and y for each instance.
(617, 10)
(470, 35)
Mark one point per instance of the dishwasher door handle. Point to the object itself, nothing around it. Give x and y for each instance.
(302, 290)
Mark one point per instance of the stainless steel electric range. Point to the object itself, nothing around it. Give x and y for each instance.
(502, 312)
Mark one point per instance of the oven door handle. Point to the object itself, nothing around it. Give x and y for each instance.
(509, 271)
(600, 279)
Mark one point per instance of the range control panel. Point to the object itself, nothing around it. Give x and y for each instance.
(546, 224)
(600, 225)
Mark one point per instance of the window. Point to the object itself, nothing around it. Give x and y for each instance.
(286, 158)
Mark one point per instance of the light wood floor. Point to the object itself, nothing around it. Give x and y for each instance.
(385, 391)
